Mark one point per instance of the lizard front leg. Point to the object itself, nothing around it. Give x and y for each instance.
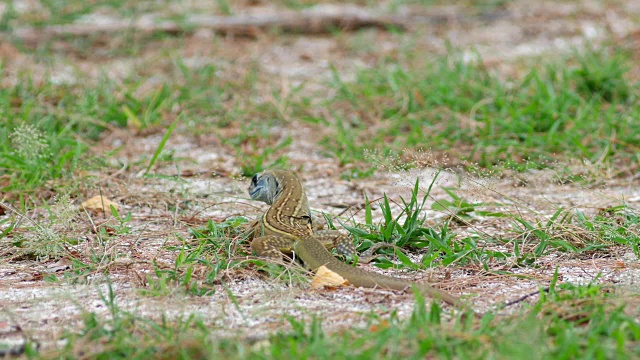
(272, 246)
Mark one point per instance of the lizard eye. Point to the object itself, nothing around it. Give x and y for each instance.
(254, 179)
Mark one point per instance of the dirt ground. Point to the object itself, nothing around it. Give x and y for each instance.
(519, 31)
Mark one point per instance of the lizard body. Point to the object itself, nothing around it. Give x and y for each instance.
(287, 226)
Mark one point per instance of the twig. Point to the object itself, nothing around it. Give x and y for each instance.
(312, 21)
(523, 298)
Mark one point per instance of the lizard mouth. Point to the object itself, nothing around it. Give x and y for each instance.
(262, 189)
(253, 192)
(255, 187)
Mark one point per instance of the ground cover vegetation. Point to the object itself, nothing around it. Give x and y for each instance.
(70, 130)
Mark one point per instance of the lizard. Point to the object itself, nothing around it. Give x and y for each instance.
(287, 227)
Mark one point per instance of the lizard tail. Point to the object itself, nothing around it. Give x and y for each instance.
(314, 255)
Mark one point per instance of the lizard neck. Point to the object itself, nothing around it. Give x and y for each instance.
(289, 209)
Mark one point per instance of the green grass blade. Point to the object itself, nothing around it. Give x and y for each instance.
(161, 145)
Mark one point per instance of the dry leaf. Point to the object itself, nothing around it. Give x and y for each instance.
(327, 278)
(384, 324)
(99, 203)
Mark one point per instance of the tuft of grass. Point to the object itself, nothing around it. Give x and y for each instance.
(601, 73)
(198, 263)
(618, 225)
(146, 112)
(576, 233)
(48, 238)
(406, 230)
(32, 154)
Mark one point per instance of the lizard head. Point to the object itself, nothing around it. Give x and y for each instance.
(282, 188)
(266, 186)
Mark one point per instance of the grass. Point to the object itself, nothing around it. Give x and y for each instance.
(564, 231)
(553, 112)
(212, 250)
(197, 265)
(579, 321)
(539, 117)
(53, 126)
(50, 130)
(57, 146)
